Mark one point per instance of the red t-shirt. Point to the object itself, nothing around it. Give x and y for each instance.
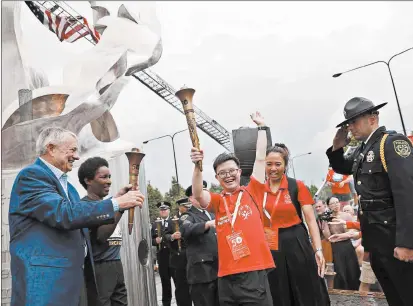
(336, 178)
(249, 222)
(283, 213)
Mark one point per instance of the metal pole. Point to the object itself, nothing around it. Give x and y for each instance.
(392, 81)
(292, 164)
(173, 149)
(397, 99)
(292, 160)
(176, 167)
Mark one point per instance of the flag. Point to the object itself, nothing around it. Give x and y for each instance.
(66, 28)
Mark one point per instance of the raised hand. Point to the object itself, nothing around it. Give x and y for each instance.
(258, 119)
(341, 138)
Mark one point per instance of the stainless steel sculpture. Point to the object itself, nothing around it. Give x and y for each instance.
(92, 83)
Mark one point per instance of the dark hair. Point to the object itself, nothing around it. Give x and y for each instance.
(88, 168)
(224, 157)
(282, 149)
(329, 199)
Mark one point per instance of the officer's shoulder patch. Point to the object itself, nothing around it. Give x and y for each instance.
(184, 217)
(402, 147)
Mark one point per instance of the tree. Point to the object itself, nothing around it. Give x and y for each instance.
(154, 197)
(313, 189)
(216, 188)
(175, 193)
(353, 143)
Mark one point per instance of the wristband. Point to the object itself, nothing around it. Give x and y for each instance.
(263, 128)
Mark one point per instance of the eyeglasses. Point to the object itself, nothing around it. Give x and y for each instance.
(231, 172)
(335, 202)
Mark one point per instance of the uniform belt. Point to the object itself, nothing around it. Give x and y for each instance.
(376, 204)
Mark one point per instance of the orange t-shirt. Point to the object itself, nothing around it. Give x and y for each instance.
(283, 213)
(336, 178)
(249, 222)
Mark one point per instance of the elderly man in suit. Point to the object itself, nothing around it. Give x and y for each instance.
(48, 224)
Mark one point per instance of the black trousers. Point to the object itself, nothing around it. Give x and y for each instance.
(111, 285)
(182, 295)
(295, 280)
(166, 273)
(245, 289)
(395, 278)
(205, 294)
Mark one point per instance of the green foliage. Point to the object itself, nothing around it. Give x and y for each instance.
(353, 143)
(313, 189)
(216, 188)
(175, 193)
(154, 196)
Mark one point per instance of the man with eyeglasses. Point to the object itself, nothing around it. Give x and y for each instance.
(382, 167)
(244, 255)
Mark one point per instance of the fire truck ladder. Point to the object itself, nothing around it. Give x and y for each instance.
(151, 80)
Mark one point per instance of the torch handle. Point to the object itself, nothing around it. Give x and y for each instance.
(190, 120)
(177, 230)
(133, 180)
(158, 226)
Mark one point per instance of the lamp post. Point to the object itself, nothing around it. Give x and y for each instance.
(173, 148)
(391, 77)
(292, 160)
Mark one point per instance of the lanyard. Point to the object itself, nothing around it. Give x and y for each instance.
(235, 214)
(267, 214)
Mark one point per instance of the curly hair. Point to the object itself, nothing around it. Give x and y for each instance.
(88, 168)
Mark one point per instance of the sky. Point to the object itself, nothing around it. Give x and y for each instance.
(275, 57)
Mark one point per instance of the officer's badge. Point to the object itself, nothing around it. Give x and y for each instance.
(402, 148)
(370, 156)
(184, 217)
(345, 114)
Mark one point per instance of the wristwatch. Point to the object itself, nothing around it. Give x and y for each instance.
(319, 249)
(263, 128)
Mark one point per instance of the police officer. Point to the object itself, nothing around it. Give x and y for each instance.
(162, 255)
(177, 257)
(383, 171)
(198, 229)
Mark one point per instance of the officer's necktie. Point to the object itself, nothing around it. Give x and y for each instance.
(362, 147)
(207, 214)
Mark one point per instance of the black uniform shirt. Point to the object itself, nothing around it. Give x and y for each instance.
(386, 212)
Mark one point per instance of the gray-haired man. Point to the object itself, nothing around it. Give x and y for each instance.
(48, 224)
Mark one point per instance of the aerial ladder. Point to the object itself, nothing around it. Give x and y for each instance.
(151, 80)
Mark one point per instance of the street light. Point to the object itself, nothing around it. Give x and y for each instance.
(173, 148)
(292, 160)
(392, 81)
